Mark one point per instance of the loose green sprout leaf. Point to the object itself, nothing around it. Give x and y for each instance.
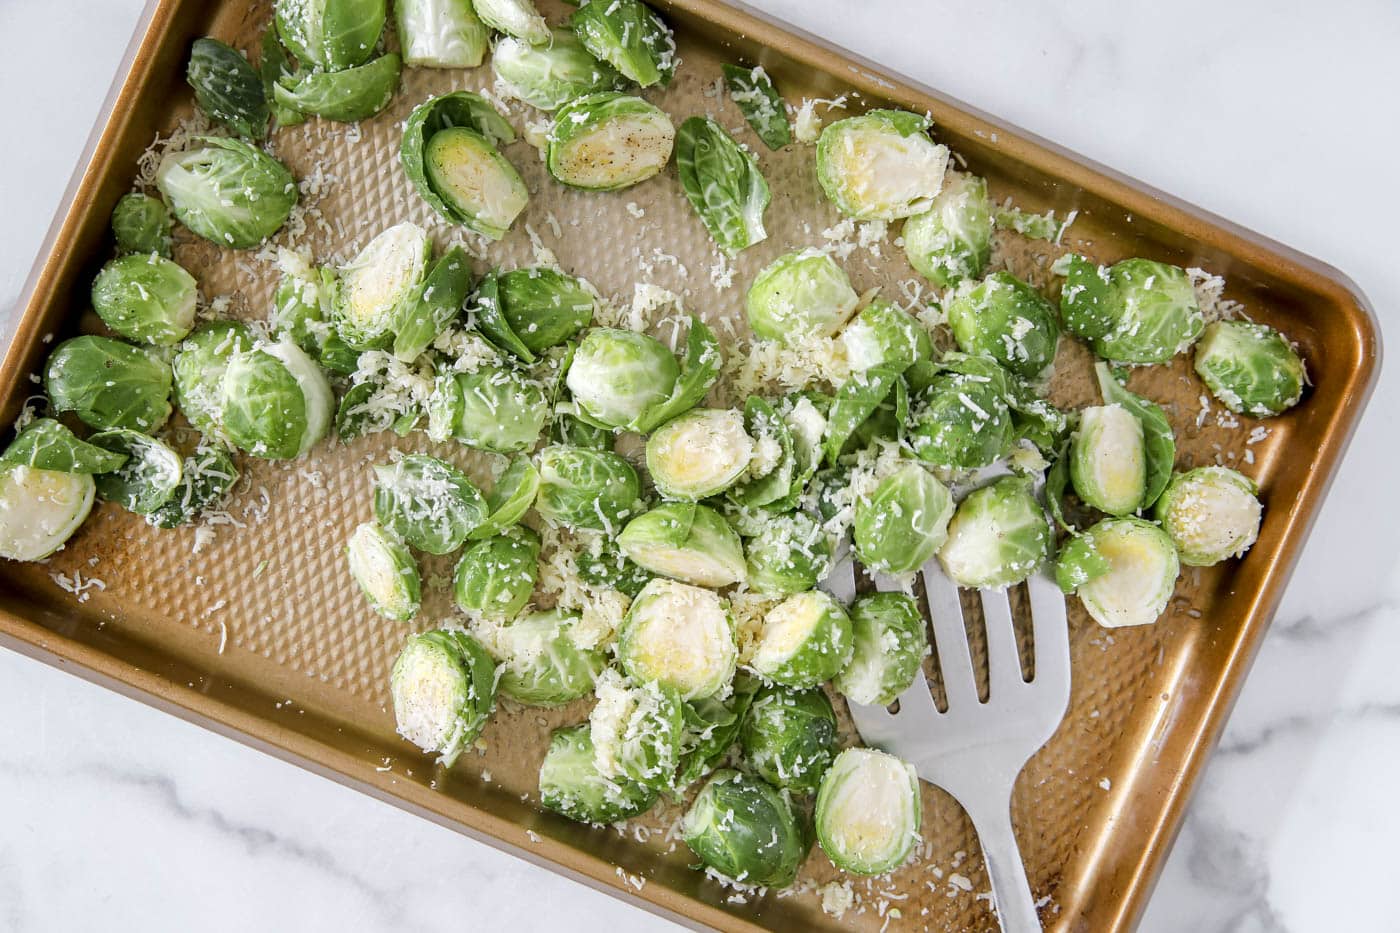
(227, 88)
(207, 476)
(880, 165)
(711, 728)
(806, 426)
(276, 402)
(799, 295)
(1159, 444)
(1251, 368)
(380, 287)
(438, 303)
(441, 33)
(723, 184)
(998, 536)
(384, 568)
(868, 811)
(496, 576)
(510, 498)
(489, 318)
(274, 65)
(517, 18)
(1004, 318)
(805, 641)
(40, 509)
(790, 737)
(890, 645)
(1108, 459)
(699, 371)
(570, 784)
(145, 298)
(343, 96)
(353, 417)
(227, 191)
(427, 502)
(629, 36)
(773, 464)
(443, 687)
(1056, 481)
(543, 663)
(1035, 226)
(791, 553)
(331, 35)
(887, 422)
(904, 521)
(620, 376)
(855, 402)
(502, 410)
(602, 566)
(585, 488)
(688, 542)
(148, 476)
(528, 311)
(46, 444)
(699, 454)
(302, 302)
(679, 636)
(952, 241)
(1036, 420)
(1136, 311)
(746, 830)
(1078, 562)
(1212, 513)
(962, 420)
(760, 103)
(608, 141)
(883, 334)
(636, 731)
(108, 383)
(1143, 568)
(549, 76)
(141, 224)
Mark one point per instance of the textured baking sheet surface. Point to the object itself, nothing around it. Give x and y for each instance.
(263, 600)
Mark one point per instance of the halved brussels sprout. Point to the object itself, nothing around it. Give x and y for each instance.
(904, 521)
(205, 478)
(585, 488)
(385, 570)
(891, 641)
(1141, 576)
(441, 33)
(199, 370)
(146, 479)
(1251, 368)
(608, 141)
(141, 224)
(427, 502)
(381, 284)
(868, 811)
(527, 311)
(497, 575)
(789, 737)
(629, 36)
(679, 636)
(806, 640)
(550, 75)
(883, 334)
(1108, 459)
(46, 444)
(762, 106)
(700, 454)
(999, 536)
(343, 96)
(799, 295)
(746, 830)
(685, 541)
(1136, 311)
(276, 402)
(108, 383)
(952, 240)
(331, 35)
(723, 184)
(302, 309)
(1212, 513)
(227, 191)
(636, 731)
(962, 420)
(542, 661)
(1004, 318)
(880, 165)
(571, 786)
(516, 18)
(227, 88)
(618, 376)
(791, 553)
(502, 410)
(443, 687)
(40, 509)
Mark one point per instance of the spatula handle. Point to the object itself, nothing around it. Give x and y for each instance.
(1011, 892)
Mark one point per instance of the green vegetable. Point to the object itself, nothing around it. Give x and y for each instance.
(962, 420)
(1251, 368)
(636, 731)
(1136, 311)
(1004, 318)
(585, 488)
(343, 96)
(443, 687)
(890, 645)
(516, 18)
(880, 165)
(1159, 444)
(40, 509)
(502, 410)
(385, 570)
(227, 88)
(437, 304)
(699, 371)
(148, 476)
(904, 521)
(1141, 576)
(550, 75)
(1212, 513)
(381, 286)
(274, 65)
(441, 33)
(952, 241)
(510, 498)
(330, 35)
(199, 369)
(760, 103)
(528, 311)
(799, 295)
(571, 785)
(542, 662)
(723, 184)
(856, 402)
(427, 502)
(746, 830)
(1108, 460)
(108, 383)
(998, 537)
(679, 636)
(141, 224)
(790, 737)
(685, 541)
(46, 444)
(276, 402)
(496, 576)
(618, 376)
(227, 191)
(711, 728)
(883, 334)
(699, 454)
(145, 298)
(868, 811)
(608, 141)
(1078, 562)
(790, 553)
(206, 477)
(805, 640)
(602, 566)
(629, 36)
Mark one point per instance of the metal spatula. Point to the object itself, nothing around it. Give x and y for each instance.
(975, 750)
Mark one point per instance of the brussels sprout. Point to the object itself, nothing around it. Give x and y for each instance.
(497, 575)
(760, 103)
(636, 731)
(629, 36)
(141, 224)
(571, 786)
(227, 191)
(952, 240)
(302, 307)
(799, 295)
(723, 184)
(509, 499)
(384, 568)
(904, 521)
(585, 488)
(199, 371)
(462, 175)
(502, 410)
(40, 509)
(227, 88)
(276, 402)
(46, 444)
(205, 478)
(868, 811)
(962, 420)
(516, 18)
(1159, 444)
(617, 376)
(1211, 513)
(441, 33)
(790, 553)
(380, 286)
(608, 141)
(438, 302)
(890, 645)
(998, 537)
(699, 454)
(699, 371)
(148, 476)
(1035, 420)
(1108, 459)
(806, 640)
(274, 65)
(542, 663)
(687, 542)
(882, 334)
(443, 687)
(145, 298)
(550, 75)
(1004, 318)
(1142, 570)
(711, 728)
(679, 636)
(746, 830)
(331, 35)
(602, 566)
(1136, 311)
(108, 383)
(1251, 368)
(856, 404)
(880, 165)
(790, 737)
(343, 96)
(527, 311)
(427, 502)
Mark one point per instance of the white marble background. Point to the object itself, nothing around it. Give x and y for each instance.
(1279, 114)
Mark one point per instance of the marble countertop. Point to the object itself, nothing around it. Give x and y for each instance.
(1277, 116)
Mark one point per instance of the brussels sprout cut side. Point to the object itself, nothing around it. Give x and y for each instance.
(805, 641)
(999, 536)
(385, 570)
(380, 285)
(746, 830)
(227, 191)
(550, 75)
(40, 509)
(608, 141)
(951, 242)
(679, 636)
(700, 454)
(1251, 368)
(571, 786)
(904, 521)
(199, 369)
(890, 643)
(443, 687)
(800, 295)
(1108, 460)
(440, 33)
(1211, 513)
(687, 542)
(1137, 572)
(789, 737)
(145, 298)
(880, 165)
(868, 811)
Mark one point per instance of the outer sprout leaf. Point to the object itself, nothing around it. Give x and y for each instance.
(768, 429)
(331, 35)
(856, 401)
(760, 103)
(699, 371)
(1157, 432)
(711, 728)
(343, 96)
(1055, 483)
(274, 65)
(227, 88)
(47, 444)
(723, 184)
(629, 36)
(439, 301)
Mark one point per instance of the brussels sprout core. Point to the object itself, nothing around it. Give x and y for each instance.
(699, 454)
(40, 509)
(1108, 459)
(1143, 567)
(868, 811)
(680, 637)
(1211, 513)
(806, 640)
